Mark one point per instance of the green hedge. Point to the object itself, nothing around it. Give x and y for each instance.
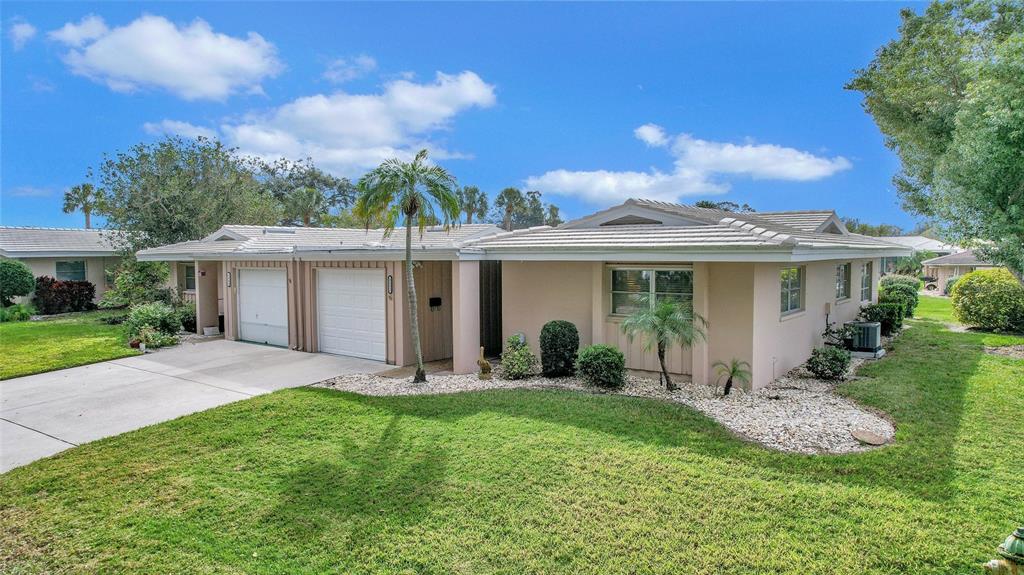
(890, 315)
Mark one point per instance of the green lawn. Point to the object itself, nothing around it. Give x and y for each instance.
(76, 339)
(313, 480)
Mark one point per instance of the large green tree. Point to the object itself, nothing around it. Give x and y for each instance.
(306, 193)
(418, 194)
(947, 95)
(176, 190)
(473, 203)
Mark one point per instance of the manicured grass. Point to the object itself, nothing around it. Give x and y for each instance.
(936, 308)
(313, 480)
(65, 341)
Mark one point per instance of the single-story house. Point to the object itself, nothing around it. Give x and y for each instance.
(944, 268)
(79, 254)
(918, 244)
(765, 282)
(63, 253)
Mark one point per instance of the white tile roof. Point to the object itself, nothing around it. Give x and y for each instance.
(720, 229)
(268, 240)
(922, 244)
(27, 242)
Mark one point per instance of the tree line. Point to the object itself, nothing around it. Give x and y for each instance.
(179, 189)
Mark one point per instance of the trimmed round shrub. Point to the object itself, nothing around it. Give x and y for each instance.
(890, 315)
(898, 287)
(989, 299)
(602, 366)
(159, 316)
(15, 280)
(900, 279)
(900, 299)
(517, 361)
(829, 362)
(559, 342)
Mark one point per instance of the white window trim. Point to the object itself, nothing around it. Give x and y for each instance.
(869, 268)
(609, 270)
(184, 276)
(802, 270)
(849, 282)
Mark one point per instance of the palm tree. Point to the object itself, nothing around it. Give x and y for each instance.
(473, 203)
(735, 370)
(662, 324)
(82, 197)
(510, 202)
(305, 204)
(422, 194)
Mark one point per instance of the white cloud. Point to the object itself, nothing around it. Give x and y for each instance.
(178, 128)
(696, 164)
(20, 33)
(342, 70)
(651, 134)
(191, 61)
(30, 192)
(89, 28)
(350, 133)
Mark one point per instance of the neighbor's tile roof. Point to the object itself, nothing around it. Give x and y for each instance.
(808, 221)
(289, 240)
(26, 242)
(964, 258)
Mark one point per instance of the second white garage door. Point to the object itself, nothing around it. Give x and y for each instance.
(350, 312)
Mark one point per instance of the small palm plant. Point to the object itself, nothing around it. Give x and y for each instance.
(663, 324)
(420, 193)
(735, 370)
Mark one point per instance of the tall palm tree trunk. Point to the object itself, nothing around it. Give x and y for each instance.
(469, 217)
(414, 321)
(664, 368)
(88, 222)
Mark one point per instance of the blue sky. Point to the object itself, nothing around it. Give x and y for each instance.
(590, 103)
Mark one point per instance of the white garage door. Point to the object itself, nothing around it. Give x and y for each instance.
(350, 312)
(263, 306)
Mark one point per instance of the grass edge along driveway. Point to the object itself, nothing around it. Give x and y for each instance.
(314, 480)
(31, 347)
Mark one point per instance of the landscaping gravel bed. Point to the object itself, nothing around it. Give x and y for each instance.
(796, 413)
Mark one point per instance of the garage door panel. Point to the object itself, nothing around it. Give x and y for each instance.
(263, 306)
(351, 312)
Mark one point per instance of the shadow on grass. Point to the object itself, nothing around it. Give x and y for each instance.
(390, 482)
(921, 384)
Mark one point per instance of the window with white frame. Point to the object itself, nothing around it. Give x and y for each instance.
(190, 277)
(843, 280)
(71, 270)
(632, 287)
(792, 284)
(865, 281)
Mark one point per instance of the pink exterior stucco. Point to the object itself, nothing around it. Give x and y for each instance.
(740, 302)
(94, 270)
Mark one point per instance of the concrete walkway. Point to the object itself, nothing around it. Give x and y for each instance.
(43, 414)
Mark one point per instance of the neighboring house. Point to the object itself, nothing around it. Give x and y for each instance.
(62, 253)
(766, 283)
(918, 244)
(944, 268)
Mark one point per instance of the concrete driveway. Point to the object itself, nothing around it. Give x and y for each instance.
(43, 414)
